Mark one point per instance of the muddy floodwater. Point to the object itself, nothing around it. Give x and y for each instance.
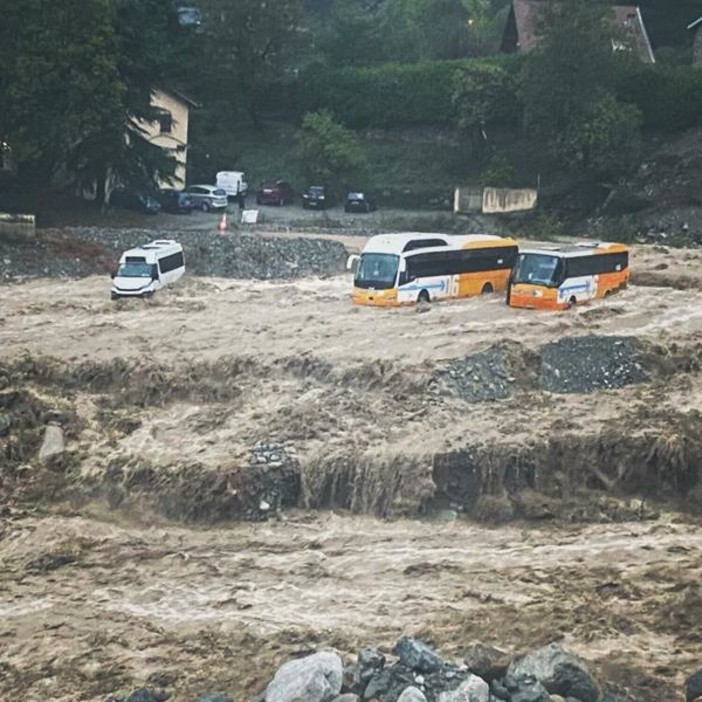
(199, 487)
(89, 606)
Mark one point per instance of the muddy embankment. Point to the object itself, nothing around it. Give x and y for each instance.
(508, 433)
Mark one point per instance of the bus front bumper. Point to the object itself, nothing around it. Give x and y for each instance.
(374, 298)
(534, 297)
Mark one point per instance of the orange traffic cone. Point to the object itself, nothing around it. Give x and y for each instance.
(223, 224)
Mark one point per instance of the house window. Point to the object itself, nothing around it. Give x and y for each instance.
(165, 121)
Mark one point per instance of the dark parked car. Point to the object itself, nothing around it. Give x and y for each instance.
(175, 201)
(278, 193)
(359, 202)
(131, 199)
(316, 197)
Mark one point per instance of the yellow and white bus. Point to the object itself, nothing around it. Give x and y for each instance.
(560, 277)
(401, 269)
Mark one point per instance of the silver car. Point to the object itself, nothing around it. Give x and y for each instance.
(207, 197)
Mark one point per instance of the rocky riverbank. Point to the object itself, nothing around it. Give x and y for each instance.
(414, 672)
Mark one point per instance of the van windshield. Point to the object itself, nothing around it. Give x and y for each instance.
(537, 269)
(134, 270)
(378, 271)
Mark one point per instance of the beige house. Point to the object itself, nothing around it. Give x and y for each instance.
(696, 27)
(170, 129)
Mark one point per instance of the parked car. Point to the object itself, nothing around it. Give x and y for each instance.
(278, 193)
(132, 199)
(175, 201)
(316, 197)
(359, 202)
(207, 197)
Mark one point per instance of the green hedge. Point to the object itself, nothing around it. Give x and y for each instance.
(669, 97)
(387, 95)
(396, 94)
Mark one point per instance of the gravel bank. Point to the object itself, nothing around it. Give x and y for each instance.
(86, 251)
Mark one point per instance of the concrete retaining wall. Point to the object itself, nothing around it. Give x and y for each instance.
(17, 226)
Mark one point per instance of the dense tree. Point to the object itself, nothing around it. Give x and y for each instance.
(59, 81)
(568, 86)
(360, 32)
(483, 94)
(77, 76)
(605, 140)
(249, 43)
(149, 54)
(329, 154)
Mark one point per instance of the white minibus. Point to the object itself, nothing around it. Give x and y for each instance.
(148, 268)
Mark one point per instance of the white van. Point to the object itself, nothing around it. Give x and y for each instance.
(146, 269)
(232, 182)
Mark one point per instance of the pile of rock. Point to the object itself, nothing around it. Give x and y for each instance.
(275, 471)
(420, 674)
(479, 377)
(586, 364)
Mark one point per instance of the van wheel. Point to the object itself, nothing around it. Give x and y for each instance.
(205, 207)
(487, 289)
(423, 296)
(608, 293)
(571, 303)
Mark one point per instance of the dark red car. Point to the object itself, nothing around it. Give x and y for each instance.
(278, 193)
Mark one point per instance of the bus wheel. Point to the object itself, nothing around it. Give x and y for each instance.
(423, 296)
(571, 303)
(487, 289)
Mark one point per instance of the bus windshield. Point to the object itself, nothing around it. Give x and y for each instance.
(378, 271)
(134, 270)
(537, 269)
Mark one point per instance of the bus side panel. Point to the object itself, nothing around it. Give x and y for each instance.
(612, 282)
(439, 287)
(582, 288)
(470, 284)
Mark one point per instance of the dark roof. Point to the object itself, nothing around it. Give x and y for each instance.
(180, 96)
(521, 31)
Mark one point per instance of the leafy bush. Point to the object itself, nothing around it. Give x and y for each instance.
(669, 97)
(605, 140)
(391, 94)
(328, 152)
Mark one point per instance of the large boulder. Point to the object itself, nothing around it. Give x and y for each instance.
(412, 694)
(559, 671)
(417, 655)
(315, 678)
(370, 662)
(486, 662)
(693, 686)
(143, 694)
(525, 689)
(472, 689)
(53, 444)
